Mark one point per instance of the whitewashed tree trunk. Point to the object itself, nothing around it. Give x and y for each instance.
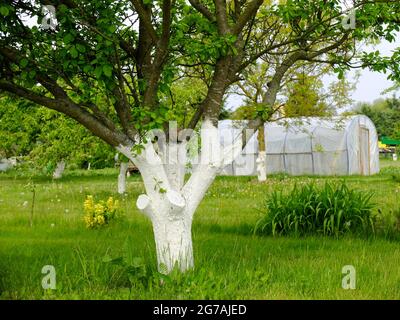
(261, 166)
(169, 202)
(174, 244)
(261, 160)
(172, 227)
(123, 168)
(58, 172)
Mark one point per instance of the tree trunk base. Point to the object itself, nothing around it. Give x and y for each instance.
(173, 240)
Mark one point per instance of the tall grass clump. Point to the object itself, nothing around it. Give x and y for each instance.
(332, 209)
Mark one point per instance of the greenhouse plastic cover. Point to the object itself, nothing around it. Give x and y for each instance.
(301, 146)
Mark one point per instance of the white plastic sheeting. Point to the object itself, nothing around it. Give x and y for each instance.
(308, 146)
(7, 164)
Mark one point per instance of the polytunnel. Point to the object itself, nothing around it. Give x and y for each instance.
(308, 146)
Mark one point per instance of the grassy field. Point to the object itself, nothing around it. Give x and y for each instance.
(231, 262)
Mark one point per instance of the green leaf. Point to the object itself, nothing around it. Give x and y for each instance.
(112, 28)
(98, 72)
(107, 69)
(23, 63)
(87, 68)
(4, 11)
(62, 8)
(68, 38)
(74, 52)
(32, 74)
(137, 262)
(81, 48)
(116, 261)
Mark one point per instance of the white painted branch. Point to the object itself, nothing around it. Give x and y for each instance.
(212, 159)
(197, 186)
(143, 203)
(232, 151)
(211, 149)
(151, 168)
(176, 204)
(175, 164)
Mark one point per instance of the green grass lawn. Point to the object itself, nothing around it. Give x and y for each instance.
(231, 263)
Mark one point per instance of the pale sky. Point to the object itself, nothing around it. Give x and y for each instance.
(371, 84)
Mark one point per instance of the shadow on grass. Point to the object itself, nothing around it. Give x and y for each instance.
(69, 176)
(243, 229)
(247, 230)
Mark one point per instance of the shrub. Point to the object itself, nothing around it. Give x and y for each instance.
(333, 209)
(101, 213)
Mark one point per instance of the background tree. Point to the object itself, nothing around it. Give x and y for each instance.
(128, 53)
(44, 138)
(18, 128)
(301, 94)
(307, 97)
(61, 141)
(385, 114)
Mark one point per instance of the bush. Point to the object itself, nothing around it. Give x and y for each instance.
(333, 209)
(101, 213)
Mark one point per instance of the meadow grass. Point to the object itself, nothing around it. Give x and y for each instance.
(231, 262)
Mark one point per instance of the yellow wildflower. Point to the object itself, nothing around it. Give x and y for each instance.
(100, 220)
(88, 204)
(110, 203)
(98, 208)
(88, 221)
(99, 214)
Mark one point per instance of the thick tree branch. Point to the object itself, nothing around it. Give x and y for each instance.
(150, 95)
(145, 18)
(202, 9)
(222, 20)
(122, 106)
(246, 16)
